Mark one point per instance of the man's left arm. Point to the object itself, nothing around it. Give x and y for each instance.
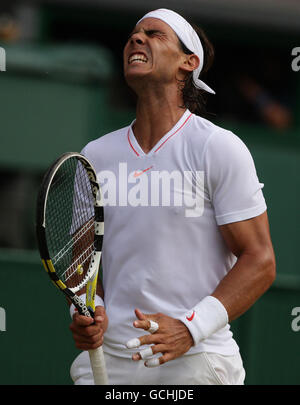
(252, 274)
(254, 270)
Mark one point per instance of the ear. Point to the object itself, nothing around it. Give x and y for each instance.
(190, 63)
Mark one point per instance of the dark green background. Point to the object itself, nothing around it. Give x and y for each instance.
(55, 98)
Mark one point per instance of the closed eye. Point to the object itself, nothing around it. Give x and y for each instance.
(153, 32)
(147, 32)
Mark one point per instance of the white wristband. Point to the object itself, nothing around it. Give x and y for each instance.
(205, 318)
(98, 302)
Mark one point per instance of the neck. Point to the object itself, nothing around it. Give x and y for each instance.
(157, 112)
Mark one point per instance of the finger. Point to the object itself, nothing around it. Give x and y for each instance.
(139, 314)
(145, 353)
(133, 343)
(149, 325)
(159, 348)
(143, 317)
(142, 324)
(136, 357)
(82, 320)
(99, 318)
(86, 331)
(99, 311)
(152, 363)
(149, 352)
(87, 340)
(142, 340)
(153, 327)
(89, 346)
(158, 361)
(146, 322)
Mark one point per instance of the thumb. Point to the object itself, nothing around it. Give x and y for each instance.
(99, 314)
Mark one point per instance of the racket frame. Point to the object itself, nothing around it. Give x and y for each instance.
(70, 293)
(88, 308)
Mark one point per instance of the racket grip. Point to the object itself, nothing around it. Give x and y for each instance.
(98, 366)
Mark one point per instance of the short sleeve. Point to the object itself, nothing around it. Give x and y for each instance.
(232, 182)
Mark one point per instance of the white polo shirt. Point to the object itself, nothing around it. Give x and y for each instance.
(163, 251)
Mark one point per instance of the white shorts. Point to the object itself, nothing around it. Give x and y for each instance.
(196, 369)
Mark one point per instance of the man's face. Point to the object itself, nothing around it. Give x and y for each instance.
(152, 54)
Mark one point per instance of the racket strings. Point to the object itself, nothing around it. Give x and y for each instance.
(89, 225)
(79, 264)
(70, 222)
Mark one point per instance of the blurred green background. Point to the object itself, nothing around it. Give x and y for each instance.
(63, 86)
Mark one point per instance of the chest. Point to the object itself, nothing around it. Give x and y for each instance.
(172, 184)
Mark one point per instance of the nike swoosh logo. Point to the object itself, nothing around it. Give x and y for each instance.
(191, 317)
(137, 174)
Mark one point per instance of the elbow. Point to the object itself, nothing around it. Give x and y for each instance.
(269, 268)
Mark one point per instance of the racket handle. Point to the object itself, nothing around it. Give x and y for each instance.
(98, 366)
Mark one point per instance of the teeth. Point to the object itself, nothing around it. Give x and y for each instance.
(138, 58)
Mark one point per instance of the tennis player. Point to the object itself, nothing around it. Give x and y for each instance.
(187, 247)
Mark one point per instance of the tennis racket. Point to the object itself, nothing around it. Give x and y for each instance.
(70, 229)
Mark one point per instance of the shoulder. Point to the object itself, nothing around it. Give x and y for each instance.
(225, 154)
(211, 132)
(204, 125)
(106, 145)
(205, 137)
(226, 144)
(106, 140)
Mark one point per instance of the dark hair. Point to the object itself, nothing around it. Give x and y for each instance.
(194, 98)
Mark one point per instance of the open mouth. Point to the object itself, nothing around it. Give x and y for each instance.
(137, 58)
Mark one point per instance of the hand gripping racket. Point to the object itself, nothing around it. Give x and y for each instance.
(70, 228)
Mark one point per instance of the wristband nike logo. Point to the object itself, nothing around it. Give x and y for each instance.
(191, 317)
(137, 174)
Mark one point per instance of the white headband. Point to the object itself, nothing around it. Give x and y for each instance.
(187, 35)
